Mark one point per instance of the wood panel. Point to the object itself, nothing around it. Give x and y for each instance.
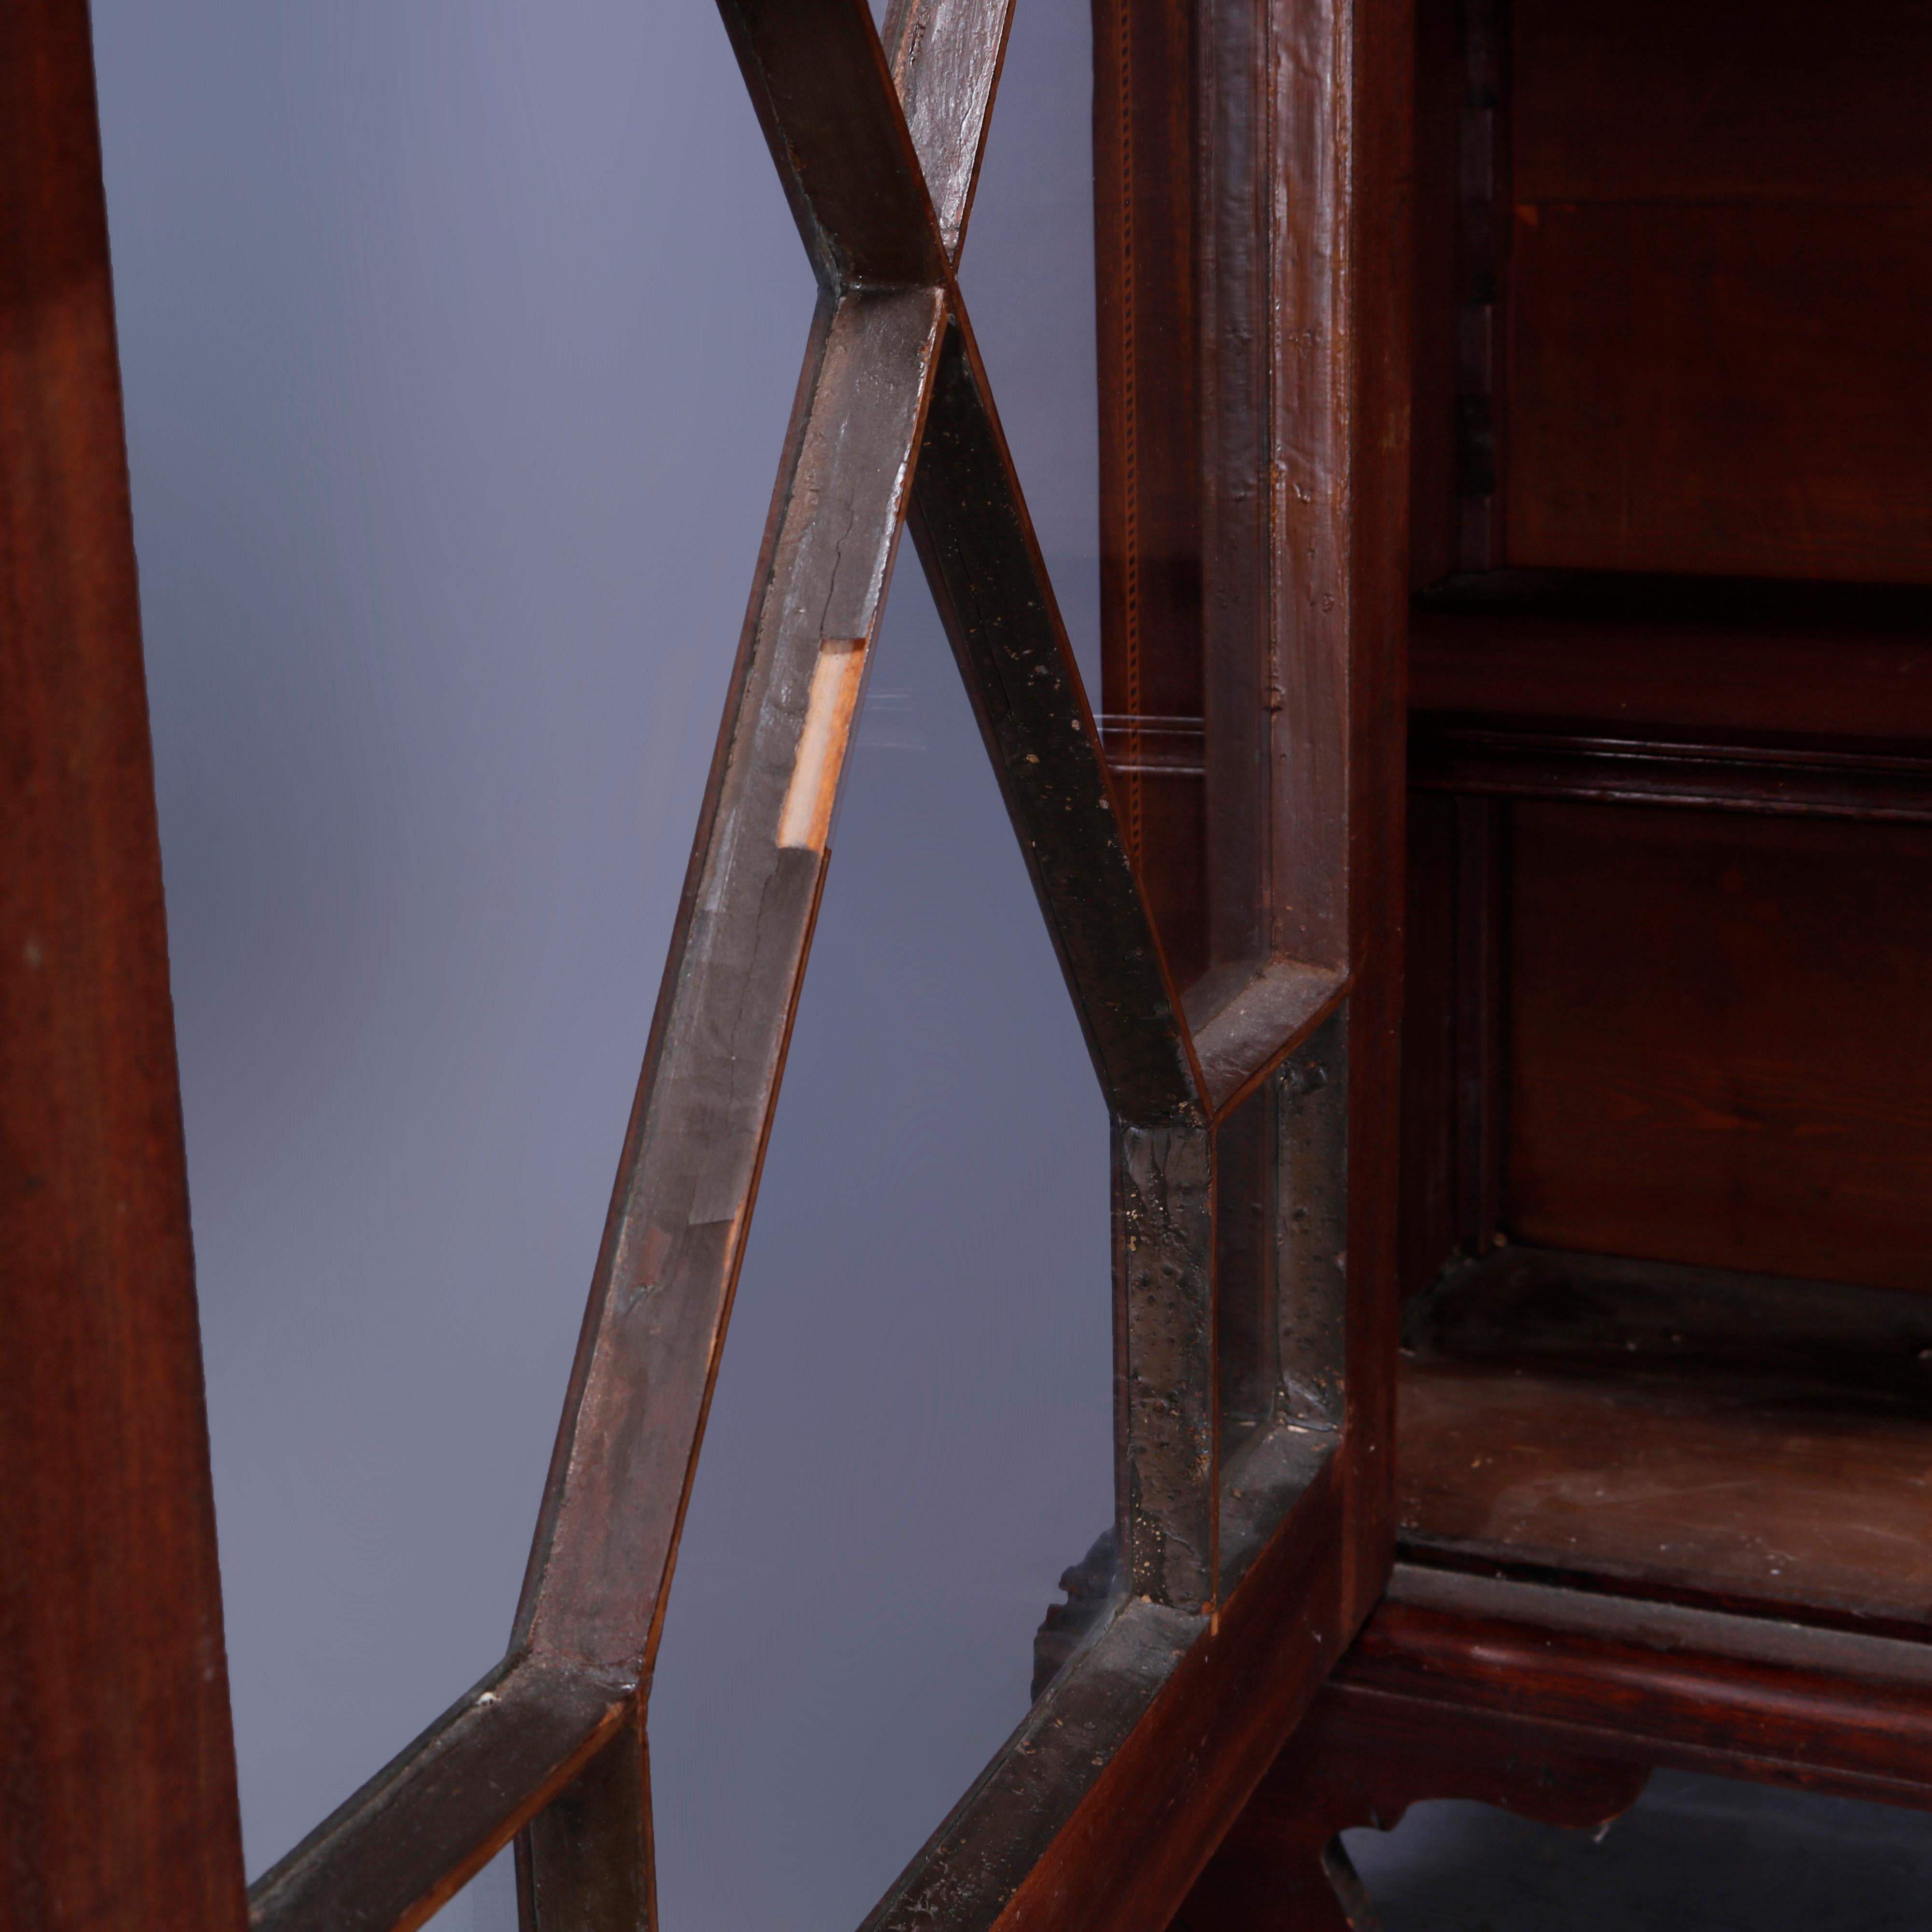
(1689, 1486)
(1719, 1036)
(1429, 1224)
(1741, 390)
(116, 1758)
(1682, 1431)
(1737, 1696)
(1714, 655)
(1723, 100)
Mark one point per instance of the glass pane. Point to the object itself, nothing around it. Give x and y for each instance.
(1027, 276)
(911, 1436)
(488, 1903)
(459, 343)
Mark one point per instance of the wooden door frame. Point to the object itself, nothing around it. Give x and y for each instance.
(1253, 1376)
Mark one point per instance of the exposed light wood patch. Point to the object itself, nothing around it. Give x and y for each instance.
(806, 820)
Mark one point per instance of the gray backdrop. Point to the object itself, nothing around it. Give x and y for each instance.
(458, 343)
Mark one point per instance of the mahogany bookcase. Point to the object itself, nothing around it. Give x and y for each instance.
(1495, 888)
(1664, 1395)
(1254, 1108)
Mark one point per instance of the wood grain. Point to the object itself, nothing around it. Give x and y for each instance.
(116, 1757)
(1728, 100)
(1748, 1438)
(1714, 656)
(1734, 389)
(1719, 1029)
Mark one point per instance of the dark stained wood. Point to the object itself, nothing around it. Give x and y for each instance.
(1483, 314)
(1358, 1761)
(1441, 93)
(1701, 1690)
(819, 79)
(996, 600)
(1556, 1702)
(1482, 996)
(1295, 310)
(1430, 1225)
(1255, 1023)
(1754, 1440)
(1737, 389)
(1695, 1488)
(1232, 160)
(945, 59)
(432, 1817)
(1712, 659)
(1167, 1447)
(678, 1224)
(1725, 101)
(1720, 221)
(586, 1859)
(1149, 427)
(1313, 1228)
(1616, 766)
(1770, 1114)
(116, 1761)
(1126, 1858)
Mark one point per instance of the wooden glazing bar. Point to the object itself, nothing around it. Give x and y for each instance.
(1102, 1806)
(945, 57)
(116, 1756)
(1167, 1486)
(977, 542)
(430, 1820)
(585, 1863)
(1312, 1233)
(1254, 1028)
(679, 1222)
(971, 522)
(1313, 179)
(967, 1874)
(1240, 558)
(818, 78)
(1247, 1356)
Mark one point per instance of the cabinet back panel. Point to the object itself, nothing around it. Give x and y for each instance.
(1721, 254)
(1741, 390)
(1719, 1030)
(1723, 100)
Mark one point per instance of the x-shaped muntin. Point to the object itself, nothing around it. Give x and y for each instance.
(879, 154)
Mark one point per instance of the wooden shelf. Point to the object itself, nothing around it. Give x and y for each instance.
(1746, 1439)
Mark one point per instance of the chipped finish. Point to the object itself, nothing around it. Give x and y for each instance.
(805, 819)
(970, 522)
(1244, 1039)
(433, 1816)
(1165, 1488)
(946, 58)
(1312, 1239)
